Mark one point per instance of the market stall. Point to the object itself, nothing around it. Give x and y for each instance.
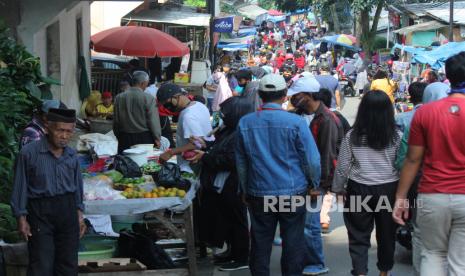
(133, 190)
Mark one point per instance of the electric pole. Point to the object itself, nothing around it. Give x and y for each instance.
(451, 21)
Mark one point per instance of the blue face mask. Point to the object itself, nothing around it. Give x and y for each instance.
(239, 89)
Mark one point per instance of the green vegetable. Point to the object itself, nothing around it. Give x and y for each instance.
(116, 176)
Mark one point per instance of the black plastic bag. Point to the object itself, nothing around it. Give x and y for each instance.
(144, 249)
(169, 175)
(126, 166)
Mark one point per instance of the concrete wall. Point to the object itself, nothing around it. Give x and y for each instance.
(36, 16)
(107, 14)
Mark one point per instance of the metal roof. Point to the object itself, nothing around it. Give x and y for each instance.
(442, 12)
(418, 9)
(430, 25)
(186, 16)
(251, 11)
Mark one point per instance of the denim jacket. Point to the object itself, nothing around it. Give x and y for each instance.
(276, 153)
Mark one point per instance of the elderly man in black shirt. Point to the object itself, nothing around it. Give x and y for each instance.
(47, 198)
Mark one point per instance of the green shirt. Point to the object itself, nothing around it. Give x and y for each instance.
(136, 112)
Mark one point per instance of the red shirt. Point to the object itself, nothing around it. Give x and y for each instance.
(300, 62)
(439, 127)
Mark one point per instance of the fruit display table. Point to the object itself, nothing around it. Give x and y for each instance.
(155, 206)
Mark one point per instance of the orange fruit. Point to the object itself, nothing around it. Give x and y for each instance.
(147, 195)
(154, 195)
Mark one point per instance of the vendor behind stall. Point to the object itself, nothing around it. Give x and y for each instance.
(47, 198)
(105, 109)
(136, 119)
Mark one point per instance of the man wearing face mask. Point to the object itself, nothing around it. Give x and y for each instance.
(194, 120)
(328, 133)
(250, 88)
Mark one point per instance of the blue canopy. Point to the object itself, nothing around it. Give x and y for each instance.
(437, 57)
(409, 49)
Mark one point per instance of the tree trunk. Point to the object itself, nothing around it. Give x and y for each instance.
(317, 18)
(337, 27)
(365, 36)
(358, 28)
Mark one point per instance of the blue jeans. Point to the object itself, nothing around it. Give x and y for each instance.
(314, 245)
(263, 229)
(209, 105)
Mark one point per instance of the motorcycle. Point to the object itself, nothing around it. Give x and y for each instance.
(346, 84)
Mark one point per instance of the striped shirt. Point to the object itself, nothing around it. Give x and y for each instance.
(39, 174)
(365, 165)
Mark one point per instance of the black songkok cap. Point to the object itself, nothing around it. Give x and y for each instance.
(61, 115)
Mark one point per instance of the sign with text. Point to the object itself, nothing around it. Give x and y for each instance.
(224, 24)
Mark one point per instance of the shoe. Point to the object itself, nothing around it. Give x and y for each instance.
(278, 241)
(325, 228)
(313, 270)
(221, 260)
(232, 266)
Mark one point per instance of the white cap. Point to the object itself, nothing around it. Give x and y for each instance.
(272, 83)
(304, 85)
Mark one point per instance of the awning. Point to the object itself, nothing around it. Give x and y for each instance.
(251, 11)
(185, 16)
(430, 25)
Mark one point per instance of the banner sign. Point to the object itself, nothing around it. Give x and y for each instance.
(224, 25)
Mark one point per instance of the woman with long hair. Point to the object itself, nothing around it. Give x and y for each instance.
(382, 82)
(222, 214)
(366, 174)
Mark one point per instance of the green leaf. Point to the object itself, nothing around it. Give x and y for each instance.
(49, 80)
(33, 89)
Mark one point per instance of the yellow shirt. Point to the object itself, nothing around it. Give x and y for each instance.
(389, 87)
(103, 111)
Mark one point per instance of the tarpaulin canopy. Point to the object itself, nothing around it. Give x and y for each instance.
(251, 11)
(437, 57)
(409, 49)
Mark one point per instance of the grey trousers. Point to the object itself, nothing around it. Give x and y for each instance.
(441, 220)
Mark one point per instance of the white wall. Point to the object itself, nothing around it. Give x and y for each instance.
(68, 93)
(108, 14)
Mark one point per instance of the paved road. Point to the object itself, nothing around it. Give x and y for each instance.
(336, 243)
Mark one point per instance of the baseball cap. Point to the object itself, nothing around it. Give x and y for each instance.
(48, 104)
(106, 95)
(168, 90)
(272, 83)
(304, 85)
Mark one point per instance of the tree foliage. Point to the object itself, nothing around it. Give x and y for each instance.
(196, 3)
(19, 76)
(267, 4)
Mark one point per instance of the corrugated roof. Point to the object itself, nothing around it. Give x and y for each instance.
(442, 12)
(186, 16)
(251, 11)
(430, 25)
(418, 9)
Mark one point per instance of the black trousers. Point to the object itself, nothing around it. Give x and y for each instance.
(127, 140)
(360, 223)
(54, 244)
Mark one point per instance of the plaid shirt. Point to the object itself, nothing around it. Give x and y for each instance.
(34, 131)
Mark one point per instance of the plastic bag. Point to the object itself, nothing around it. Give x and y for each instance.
(169, 175)
(127, 167)
(100, 188)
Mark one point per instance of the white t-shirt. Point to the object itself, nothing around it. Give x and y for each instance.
(193, 121)
(152, 90)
